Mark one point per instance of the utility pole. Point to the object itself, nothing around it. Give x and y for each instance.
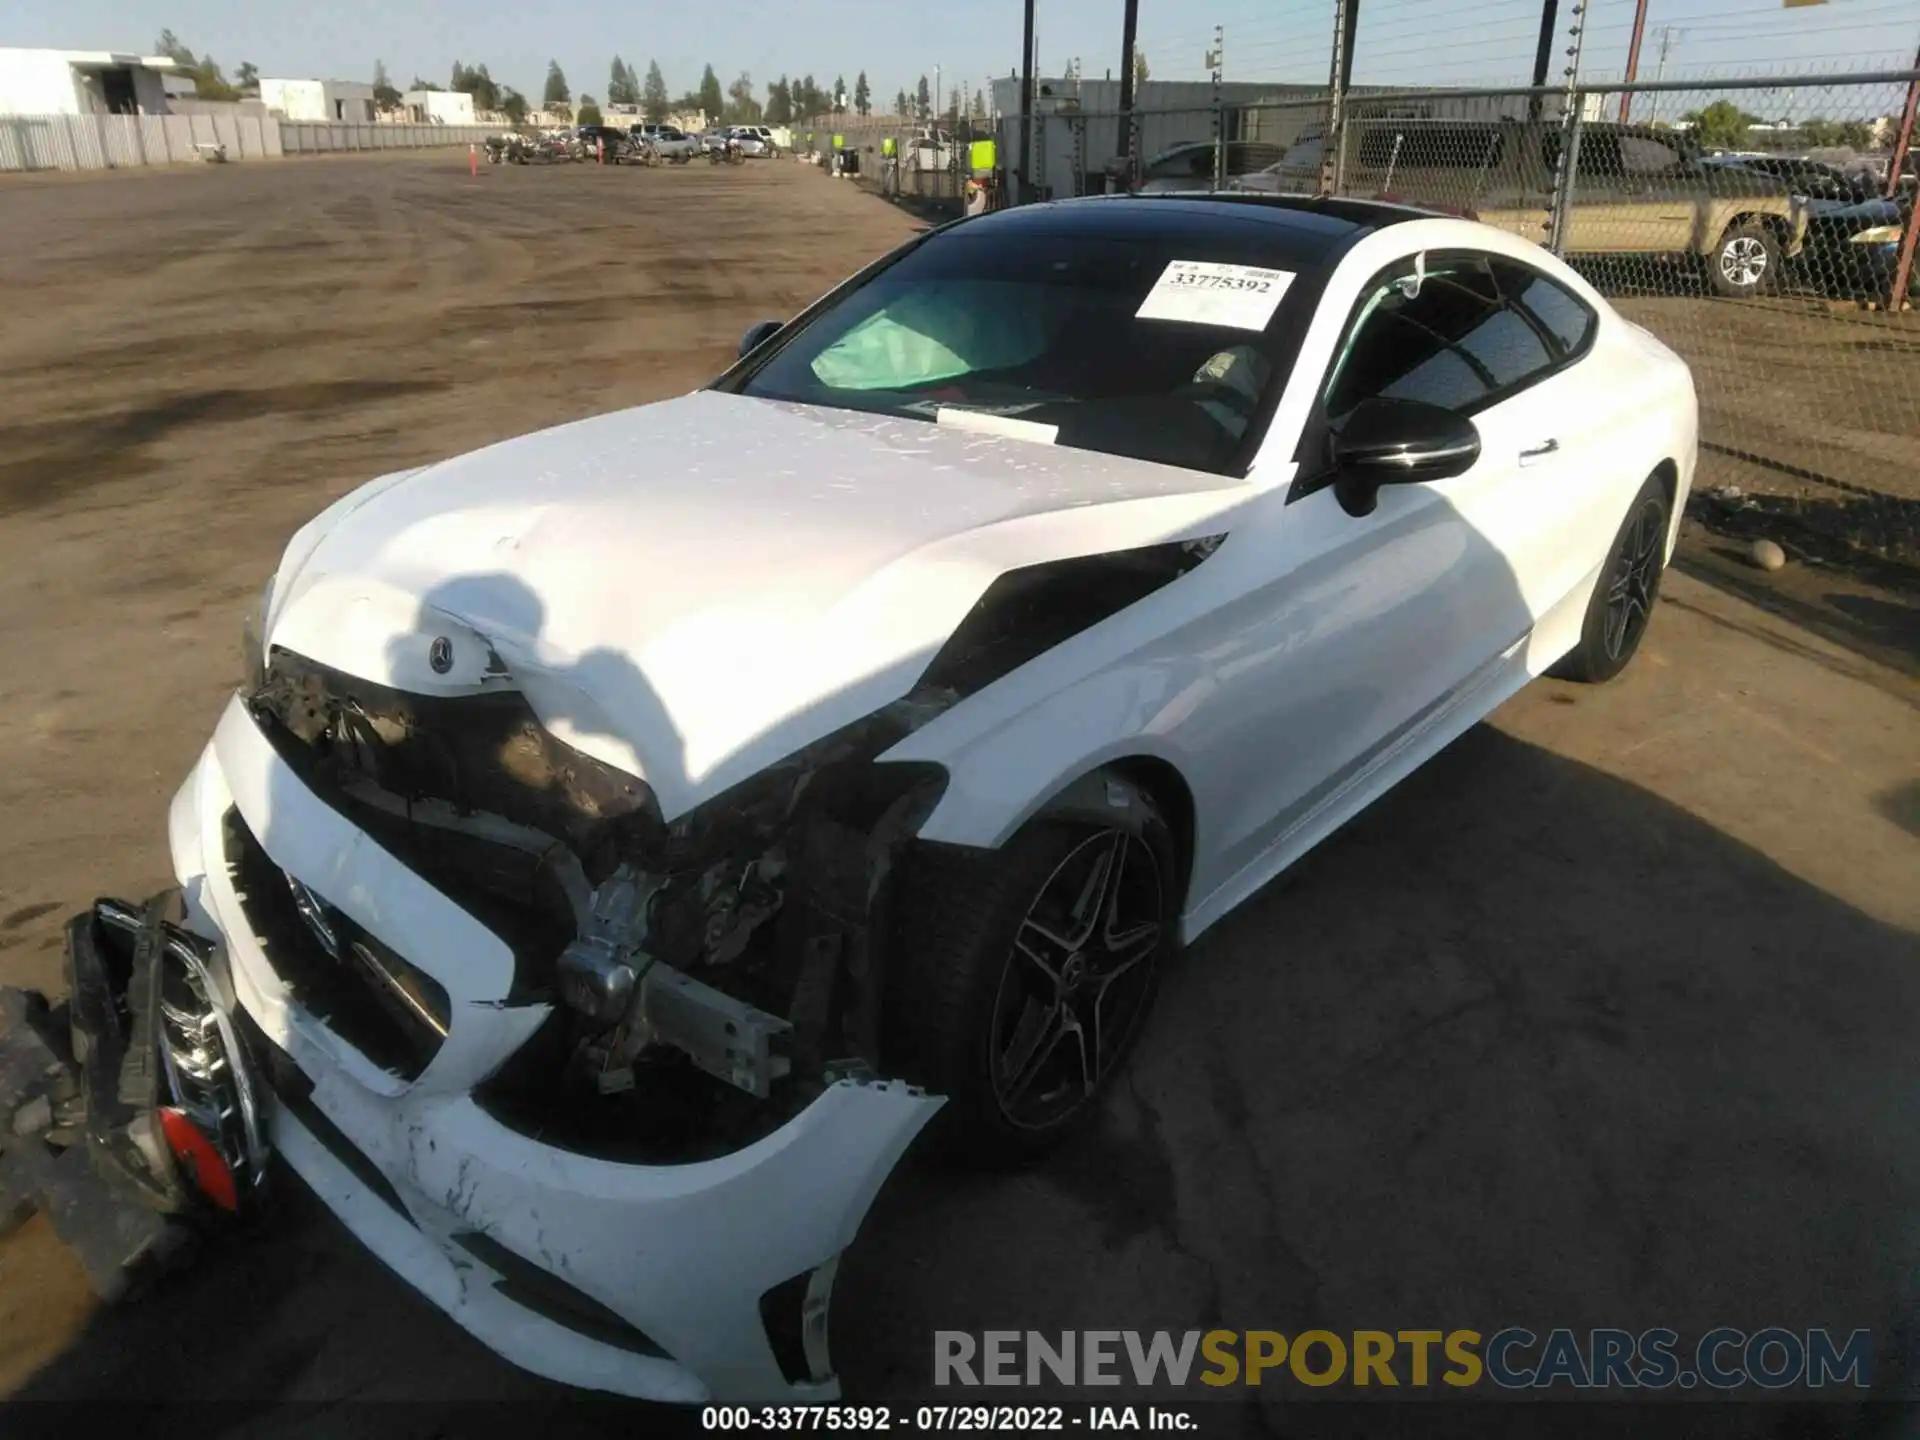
(1633, 57)
(1024, 191)
(1660, 72)
(1215, 56)
(1902, 147)
(1129, 31)
(1543, 55)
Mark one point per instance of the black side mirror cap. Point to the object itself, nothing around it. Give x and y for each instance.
(1398, 442)
(758, 334)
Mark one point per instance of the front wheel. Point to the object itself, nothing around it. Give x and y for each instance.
(1623, 599)
(1022, 975)
(1745, 261)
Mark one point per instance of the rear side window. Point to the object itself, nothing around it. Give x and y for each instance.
(1557, 309)
(1430, 147)
(1472, 334)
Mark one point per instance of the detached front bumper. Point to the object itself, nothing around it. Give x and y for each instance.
(687, 1283)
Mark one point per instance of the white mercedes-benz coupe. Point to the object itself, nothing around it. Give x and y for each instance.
(629, 836)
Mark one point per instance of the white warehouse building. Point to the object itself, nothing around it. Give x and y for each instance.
(439, 107)
(82, 82)
(342, 100)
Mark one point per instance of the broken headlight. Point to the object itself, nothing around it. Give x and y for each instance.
(253, 641)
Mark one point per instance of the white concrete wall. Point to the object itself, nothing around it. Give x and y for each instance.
(37, 82)
(105, 142)
(443, 107)
(295, 99)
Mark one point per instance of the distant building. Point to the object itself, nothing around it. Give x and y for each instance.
(439, 107)
(692, 122)
(340, 100)
(82, 82)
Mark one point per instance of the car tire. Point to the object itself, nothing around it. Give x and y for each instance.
(996, 982)
(1624, 596)
(1745, 262)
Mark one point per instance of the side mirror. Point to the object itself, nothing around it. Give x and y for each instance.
(1398, 442)
(758, 335)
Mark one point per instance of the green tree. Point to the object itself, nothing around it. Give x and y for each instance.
(204, 70)
(900, 103)
(862, 96)
(247, 75)
(622, 87)
(1825, 134)
(513, 105)
(384, 95)
(1139, 67)
(1721, 125)
(711, 100)
(653, 94)
(923, 100)
(779, 103)
(808, 105)
(837, 101)
(589, 112)
(953, 107)
(979, 106)
(742, 108)
(556, 92)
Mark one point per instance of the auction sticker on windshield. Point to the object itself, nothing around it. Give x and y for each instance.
(1240, 297)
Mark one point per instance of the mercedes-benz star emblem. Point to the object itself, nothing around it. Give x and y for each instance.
(440, 655)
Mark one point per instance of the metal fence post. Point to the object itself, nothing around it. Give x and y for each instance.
(1566, 168)
(1566, 174)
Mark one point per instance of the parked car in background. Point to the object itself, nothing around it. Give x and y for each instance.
(669, 142)
(1190, 166)
(1813, 180)
(596, 138)
(751, 142)
(764, 134)
(715, 139)
(1852, 250)
(1638, 190)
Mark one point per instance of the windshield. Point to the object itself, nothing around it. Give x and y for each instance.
(1159, 348)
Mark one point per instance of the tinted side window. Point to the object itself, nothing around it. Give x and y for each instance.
(1454, 344)
(1559, 312)
(1641, 156)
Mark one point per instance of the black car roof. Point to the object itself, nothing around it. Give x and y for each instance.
(1304, 230)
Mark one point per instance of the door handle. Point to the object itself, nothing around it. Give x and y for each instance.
(1545, 447)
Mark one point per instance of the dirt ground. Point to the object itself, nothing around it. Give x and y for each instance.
(1605, 1018)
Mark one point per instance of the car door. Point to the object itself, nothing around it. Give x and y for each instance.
(1385, 625)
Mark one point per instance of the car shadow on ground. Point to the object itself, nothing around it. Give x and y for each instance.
(1524, 1045)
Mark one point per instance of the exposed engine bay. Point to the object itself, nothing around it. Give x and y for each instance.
(728, 957)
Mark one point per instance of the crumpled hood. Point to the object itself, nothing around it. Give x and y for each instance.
(693, 589)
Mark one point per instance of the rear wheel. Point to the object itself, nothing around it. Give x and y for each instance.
(1023, 975)
(1623, 600)
(1745, 262)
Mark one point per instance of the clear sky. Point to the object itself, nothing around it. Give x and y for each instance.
(895, 41)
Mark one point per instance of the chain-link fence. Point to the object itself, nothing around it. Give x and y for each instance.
(1751, 224)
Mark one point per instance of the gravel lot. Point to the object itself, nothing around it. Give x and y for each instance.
(1603, 1019)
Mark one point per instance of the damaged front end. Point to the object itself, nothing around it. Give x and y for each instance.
(709, 976)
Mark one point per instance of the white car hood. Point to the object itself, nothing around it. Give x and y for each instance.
(694, 589)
